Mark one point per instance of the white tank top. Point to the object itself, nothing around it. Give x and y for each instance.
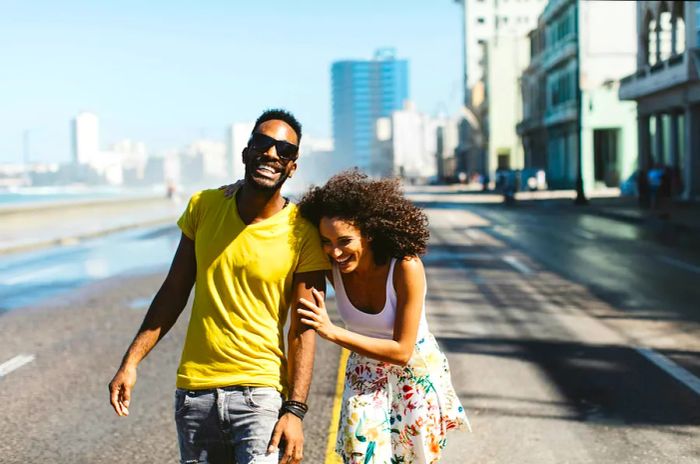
(380, 325)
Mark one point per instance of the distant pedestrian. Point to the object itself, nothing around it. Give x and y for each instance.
(248, 259)
(643, 193)
(398, 401)
(655, 177)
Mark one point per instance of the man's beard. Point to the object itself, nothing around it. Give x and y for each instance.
(255, 183)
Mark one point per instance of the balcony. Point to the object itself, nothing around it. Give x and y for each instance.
(529, 125)
(564, 51)
(560, 114)
(664, 75)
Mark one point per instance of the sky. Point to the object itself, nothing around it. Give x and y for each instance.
(169, 72)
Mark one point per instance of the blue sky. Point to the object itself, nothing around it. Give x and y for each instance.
(167, 72)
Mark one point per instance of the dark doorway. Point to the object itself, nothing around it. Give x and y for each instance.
(605, 154)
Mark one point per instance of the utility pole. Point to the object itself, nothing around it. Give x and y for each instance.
(581, 199)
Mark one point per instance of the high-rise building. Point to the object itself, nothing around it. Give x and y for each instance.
(363, 91)
(86, 138)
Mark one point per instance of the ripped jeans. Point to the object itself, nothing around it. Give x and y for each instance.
(227, 425)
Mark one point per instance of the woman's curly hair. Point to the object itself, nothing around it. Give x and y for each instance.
(397, 228)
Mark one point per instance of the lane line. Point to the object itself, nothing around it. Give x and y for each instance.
(15, 363)
(517, 265)
(331, 456)
(676, 371)
(585, 234)
(473, 234)
(680, 264)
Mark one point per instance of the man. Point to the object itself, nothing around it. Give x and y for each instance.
(248, 260)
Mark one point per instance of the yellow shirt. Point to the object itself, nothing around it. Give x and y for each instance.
(242, 292)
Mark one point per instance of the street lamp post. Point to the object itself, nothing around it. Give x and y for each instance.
(580, 194)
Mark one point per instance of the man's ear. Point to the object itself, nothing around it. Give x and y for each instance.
(244, 154)
(293, 169)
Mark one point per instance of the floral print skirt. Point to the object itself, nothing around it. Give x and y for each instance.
(398, 414)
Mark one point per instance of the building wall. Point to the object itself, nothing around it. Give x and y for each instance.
(364, 91)
(86, 138)
(414, 145)
(237, 136)
(508, 56)
(602, 109)
(487, 18)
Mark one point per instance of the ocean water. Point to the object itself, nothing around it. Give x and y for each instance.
(33, 195)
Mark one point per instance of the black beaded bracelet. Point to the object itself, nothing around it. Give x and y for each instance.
(297, 408)
(303, 406)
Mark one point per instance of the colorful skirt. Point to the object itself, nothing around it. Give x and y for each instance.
(398, 414)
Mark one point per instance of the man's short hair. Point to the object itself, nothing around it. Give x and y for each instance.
(282, 115)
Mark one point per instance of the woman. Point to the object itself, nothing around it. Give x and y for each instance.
(398, 401)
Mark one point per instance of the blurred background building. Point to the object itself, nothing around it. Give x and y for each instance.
(362, 92)
(666, 87)
(406, 146)
(568, 54)
(495, 52)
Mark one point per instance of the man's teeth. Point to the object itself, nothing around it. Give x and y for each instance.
(266, 168)
(341, 261)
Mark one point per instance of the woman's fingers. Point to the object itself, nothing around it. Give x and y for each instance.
(308, 304)
(306, 313)
(318, 297)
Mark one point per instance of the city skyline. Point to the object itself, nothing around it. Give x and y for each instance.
(167, 76)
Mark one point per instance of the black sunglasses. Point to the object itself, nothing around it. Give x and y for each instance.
(261, 143)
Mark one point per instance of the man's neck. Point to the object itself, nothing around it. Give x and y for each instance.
(257, 205)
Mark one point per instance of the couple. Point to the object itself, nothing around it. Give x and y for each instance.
(239, 397)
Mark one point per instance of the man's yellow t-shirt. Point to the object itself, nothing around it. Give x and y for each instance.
(242, 292)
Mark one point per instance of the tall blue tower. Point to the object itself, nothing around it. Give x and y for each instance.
(363, 91)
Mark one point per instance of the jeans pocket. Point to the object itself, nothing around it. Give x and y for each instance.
(265, 399)
(182, 400)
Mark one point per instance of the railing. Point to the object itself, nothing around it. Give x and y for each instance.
(672, 71)
(653, 69)
(675, 59)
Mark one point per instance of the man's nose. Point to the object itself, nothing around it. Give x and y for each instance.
(337, 251)
(271, 152)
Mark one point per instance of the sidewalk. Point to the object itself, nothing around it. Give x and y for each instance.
(679, 219)
(66, 223)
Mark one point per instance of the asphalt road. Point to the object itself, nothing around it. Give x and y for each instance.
(557, 330)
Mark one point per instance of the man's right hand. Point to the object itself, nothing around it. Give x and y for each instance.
(120, 390)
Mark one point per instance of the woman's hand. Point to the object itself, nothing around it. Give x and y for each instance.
(230, 189)
(314, 314)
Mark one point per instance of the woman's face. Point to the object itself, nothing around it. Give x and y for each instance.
(343, 243)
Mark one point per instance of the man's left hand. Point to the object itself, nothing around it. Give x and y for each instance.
(289, 430)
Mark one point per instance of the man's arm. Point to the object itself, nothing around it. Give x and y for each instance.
(301, 343)
(161, 316)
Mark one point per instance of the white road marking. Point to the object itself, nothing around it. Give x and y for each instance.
(680, 264)
(585, 234)
(676, 371)
(473, 234)
(517, 265)
(31, 275)
(15, 363)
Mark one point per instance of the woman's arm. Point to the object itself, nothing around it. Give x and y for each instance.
(409, 282)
